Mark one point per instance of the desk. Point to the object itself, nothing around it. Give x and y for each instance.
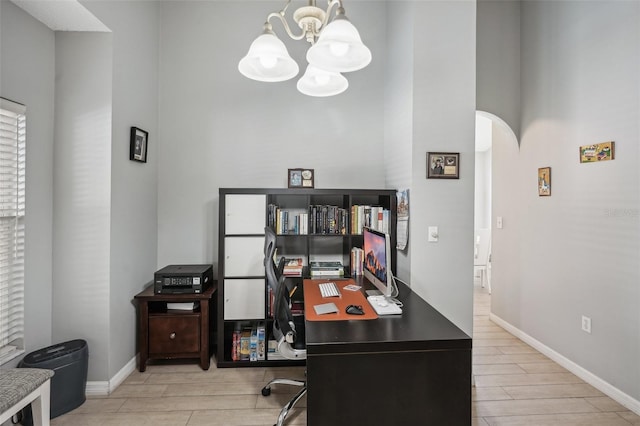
(413, 369)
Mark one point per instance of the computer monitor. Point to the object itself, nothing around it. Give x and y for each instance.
(377, 260)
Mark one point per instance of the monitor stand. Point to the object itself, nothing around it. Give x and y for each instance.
(373, 292)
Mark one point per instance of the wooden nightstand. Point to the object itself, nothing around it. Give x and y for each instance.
(167, 334)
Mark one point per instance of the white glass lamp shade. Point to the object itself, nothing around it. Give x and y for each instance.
(268, 60)
(339, 48)
(321, 83)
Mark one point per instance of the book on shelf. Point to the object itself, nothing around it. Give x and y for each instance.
(253, 344)
(245, 344)
(287, 221)
(328, 219)
(249, 343)
(374, 217)
(326, 269)
(326, 273)
(357, 258)
(325, 265)
(293, 267)
(235, 345)
(297, 307)
(262, 350)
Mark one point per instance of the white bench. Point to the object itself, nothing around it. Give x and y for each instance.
(22, 386)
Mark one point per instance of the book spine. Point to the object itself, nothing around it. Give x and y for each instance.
(235, 346)
(245, 345)
(253, 344)
(262, 350)
(327, 272)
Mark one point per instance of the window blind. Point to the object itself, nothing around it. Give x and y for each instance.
(12, 235)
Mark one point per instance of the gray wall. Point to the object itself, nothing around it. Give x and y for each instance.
(134, 189)
(246, 133)
(444, 121)
(27, 64)
(398, 108)
(82, 194)
(215, 129)
(220, 129)
(498, 60)
(579, 248)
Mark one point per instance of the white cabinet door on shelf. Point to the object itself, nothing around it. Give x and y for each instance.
(244, 256)
(245, 213)
(243, 299)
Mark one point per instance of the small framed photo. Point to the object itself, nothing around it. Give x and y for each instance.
(443, 165)
(544, 181)
(138, 145)
(300, 178)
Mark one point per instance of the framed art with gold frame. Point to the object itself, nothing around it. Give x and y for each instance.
(544, 181)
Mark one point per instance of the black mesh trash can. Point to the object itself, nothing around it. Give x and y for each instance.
(69, 361)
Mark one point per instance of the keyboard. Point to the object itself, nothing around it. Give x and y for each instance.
(329, 290)
(383, 306)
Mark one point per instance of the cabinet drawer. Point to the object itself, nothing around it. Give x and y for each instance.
(244, 299)
(174, 334)
(245, 213)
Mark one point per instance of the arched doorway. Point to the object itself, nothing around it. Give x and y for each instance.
(491, 131)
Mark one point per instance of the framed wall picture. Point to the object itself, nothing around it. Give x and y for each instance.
(300, 178)
(138, 145)
(443, 165)
(544, 181)
(597, 152)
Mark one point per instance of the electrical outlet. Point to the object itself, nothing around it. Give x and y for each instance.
(586, 324)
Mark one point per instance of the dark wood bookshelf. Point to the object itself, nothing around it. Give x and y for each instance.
(307, 246)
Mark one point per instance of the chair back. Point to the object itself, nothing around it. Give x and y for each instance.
(284, 327)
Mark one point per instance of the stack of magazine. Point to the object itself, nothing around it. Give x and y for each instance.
(326, 269)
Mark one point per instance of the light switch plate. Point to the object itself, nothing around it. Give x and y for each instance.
(433, 234)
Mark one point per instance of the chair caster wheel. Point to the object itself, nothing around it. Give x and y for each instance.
(266, 391)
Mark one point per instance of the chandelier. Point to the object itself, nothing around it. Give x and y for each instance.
(336, 47)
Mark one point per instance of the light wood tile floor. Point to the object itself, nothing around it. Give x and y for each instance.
(515, 385)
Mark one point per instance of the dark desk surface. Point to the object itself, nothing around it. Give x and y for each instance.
(420, 327)
(422, 359)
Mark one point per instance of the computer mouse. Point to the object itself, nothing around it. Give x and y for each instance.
(382, 302)
(354, 310)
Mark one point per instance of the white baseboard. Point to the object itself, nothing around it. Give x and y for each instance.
(595, 381)
(105, 388)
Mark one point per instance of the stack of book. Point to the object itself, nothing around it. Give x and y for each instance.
(249, 343)
(292, 267)
(326, 269)
(357, 257)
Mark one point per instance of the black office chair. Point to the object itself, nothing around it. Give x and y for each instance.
(288, 332)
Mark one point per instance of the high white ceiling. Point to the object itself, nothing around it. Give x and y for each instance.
(62, 15)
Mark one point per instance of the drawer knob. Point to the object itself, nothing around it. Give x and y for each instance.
(172, 336)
